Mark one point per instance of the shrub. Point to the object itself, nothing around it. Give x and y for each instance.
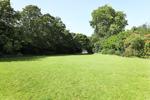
(119, 53)
(134, 45)
(128, 52)
(115, 43)
(97, 47)
(108, 51)
(147, 48)
(147, 45)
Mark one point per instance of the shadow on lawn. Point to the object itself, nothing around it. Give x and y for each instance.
(22, 58)
(33, 57)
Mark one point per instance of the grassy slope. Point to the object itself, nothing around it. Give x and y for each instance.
(84, 77)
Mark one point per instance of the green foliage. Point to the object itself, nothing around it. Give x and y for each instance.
(134, 45)
(127, 43)
(147, 49)
(83, 43)
(143, 29)
(147, 45)
(106, 21)
(110, 38)
(114, 44)
(7, 22)
(31, 32)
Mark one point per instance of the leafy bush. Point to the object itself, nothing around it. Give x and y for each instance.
(147, 45)
(108, 51)
(128, 52)
(97, 47)
(134, 45)
(147, 49)
(114, 44)
(118, 53)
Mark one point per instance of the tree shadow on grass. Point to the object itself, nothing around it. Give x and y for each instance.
(22, 58)
(33, 57)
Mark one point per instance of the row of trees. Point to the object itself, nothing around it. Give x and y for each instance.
(110, 36)
(31, 32)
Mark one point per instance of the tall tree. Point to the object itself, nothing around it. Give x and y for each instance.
(29, 18)
(7, 23)
(106, 21)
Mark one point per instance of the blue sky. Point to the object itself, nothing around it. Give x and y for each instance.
(76, 14)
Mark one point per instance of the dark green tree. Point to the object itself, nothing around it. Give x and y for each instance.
(29, 27)
(8, 21)
(83, 43)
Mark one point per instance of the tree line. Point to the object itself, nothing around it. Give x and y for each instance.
(31, 32)
(110, 36)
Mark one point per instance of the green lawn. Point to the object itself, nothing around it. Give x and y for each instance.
(75, 77)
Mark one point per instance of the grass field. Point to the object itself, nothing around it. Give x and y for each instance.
(75, 77)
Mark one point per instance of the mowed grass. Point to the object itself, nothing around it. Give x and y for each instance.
(75, 77)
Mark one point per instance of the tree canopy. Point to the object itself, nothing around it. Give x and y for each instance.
(106, 21)
(110, 37)
(31, 32)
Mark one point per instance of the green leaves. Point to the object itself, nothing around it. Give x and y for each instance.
(31, 32)
(106, 21)
(83, 43)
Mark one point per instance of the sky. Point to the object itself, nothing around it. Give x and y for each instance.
(76, 14)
